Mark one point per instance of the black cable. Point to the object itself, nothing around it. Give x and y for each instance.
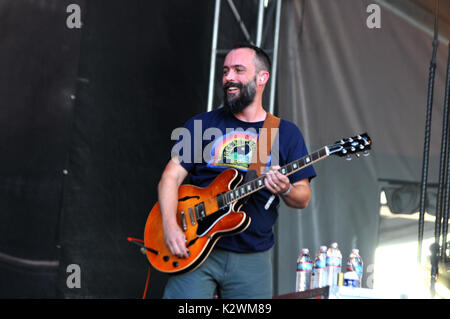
(443, 162)
(437, 252)
(447, 166)
(426, 150)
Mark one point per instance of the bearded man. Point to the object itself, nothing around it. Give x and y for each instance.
(239, 266)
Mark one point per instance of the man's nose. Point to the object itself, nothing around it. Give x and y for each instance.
(229, 76)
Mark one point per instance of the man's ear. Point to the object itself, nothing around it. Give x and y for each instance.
(262, 78)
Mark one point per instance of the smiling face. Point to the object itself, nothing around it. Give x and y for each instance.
(239, 66)
(239, 79)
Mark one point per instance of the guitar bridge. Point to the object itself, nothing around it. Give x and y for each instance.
(200, 211)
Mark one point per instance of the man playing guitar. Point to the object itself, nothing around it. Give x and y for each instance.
(238, 266)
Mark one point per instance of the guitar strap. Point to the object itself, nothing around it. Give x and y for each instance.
(264, 146)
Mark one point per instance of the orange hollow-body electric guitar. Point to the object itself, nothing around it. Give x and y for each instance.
(206, 214)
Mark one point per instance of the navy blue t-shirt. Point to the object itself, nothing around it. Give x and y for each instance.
(212, 142)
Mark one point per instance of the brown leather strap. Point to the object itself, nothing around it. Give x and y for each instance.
(265, 141)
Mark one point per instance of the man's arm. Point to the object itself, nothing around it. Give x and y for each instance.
(172, 177)
(299, 194)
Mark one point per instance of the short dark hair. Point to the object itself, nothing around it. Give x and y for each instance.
(262, 58)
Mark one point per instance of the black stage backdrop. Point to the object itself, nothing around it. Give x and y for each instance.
(138, 61)
(85, 125)
(38, 63)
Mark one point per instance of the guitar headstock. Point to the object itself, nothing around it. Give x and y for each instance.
(352, 145)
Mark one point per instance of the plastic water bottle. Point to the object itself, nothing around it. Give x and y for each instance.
(333, 263)
(354, 269)
(304, 270)
(351, 279)
(319, 278)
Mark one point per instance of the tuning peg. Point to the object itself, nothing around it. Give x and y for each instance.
(357, 155)
(352, 148)
(361, 147)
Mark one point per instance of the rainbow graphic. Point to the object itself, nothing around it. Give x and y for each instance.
(234, 149)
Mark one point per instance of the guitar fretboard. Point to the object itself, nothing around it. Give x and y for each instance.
(255, 185)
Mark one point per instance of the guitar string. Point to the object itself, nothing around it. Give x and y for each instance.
(287, 174)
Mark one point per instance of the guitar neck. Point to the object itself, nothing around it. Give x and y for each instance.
(257, 184)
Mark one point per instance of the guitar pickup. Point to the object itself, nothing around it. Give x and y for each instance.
(183, 221)
(191, 216)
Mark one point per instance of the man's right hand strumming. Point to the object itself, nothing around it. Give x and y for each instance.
(172, 177)
(175, 239)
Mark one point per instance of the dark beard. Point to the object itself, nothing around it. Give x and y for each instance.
(236, 104)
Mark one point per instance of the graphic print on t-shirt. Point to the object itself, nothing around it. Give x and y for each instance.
(234, 149)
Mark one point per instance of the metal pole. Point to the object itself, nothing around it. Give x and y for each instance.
(212, 69)
(239, 20)
(275, 58)
(260, 23)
